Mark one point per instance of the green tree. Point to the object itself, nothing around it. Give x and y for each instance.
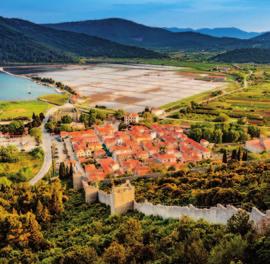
(66, 119)
(228, 250)
(239, 223)
(115, 254)
(225, 158)
(57, 206)
(254, 131)
(79, 255)
(62, 170)
(36, 133)
(36, 239)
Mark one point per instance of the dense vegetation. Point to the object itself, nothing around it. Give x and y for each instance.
(46, 224)
(23, 41)
(223, 133)
(16, 47)
(250, 55)
(240, 184)
(19, 166)
(18, 127)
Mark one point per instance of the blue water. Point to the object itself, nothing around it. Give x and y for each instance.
(14, 88)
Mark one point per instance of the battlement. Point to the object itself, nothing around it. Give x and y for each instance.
(122, 198)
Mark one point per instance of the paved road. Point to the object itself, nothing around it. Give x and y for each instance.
(46, 146)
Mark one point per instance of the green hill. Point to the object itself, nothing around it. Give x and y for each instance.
(16, 47)
(28, 42)
(252, 55)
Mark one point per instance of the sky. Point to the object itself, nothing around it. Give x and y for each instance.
(251, 15)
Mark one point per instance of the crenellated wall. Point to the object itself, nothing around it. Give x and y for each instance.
(214, 215)
(104, 198)
(122, 199)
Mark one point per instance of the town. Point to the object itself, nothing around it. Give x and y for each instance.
(139, 150)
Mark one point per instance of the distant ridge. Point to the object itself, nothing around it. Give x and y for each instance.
(23, 41)
(230, 32)
(131, 33)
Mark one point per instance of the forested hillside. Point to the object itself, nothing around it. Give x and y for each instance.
(15, 47)
(49, 223)
(253, 55)
(28, 42)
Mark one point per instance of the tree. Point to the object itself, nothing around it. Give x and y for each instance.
(222, 118)
(115, 254)
(130, 232)
(57, 206)
(239, 154)
(16, 127)
(9, 154)
(92, 117)
(36, 239)
(66, 119)
(234, 155)
(228, 250)
(245, 156)
(196, 252)
(62, 170)
(225, 159)
(122, 126)
(36, 133)
(239, 223)
(41, 117)
(79, 255)
(71, 171)
(39, 211)
(218, 135)
(254, 131)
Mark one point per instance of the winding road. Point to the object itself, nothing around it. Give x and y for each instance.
(46, 146)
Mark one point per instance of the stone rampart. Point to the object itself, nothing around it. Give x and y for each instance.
(215, 215)
(104, 198)
(122, 199)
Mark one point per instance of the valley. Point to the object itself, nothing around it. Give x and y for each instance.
(122, 142)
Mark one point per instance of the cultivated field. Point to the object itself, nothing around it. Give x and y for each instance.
(131, 87)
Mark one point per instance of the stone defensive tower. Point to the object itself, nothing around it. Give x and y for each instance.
(122, 198)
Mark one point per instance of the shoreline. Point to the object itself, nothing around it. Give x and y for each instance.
(28, 78)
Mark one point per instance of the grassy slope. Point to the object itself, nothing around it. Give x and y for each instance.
(55, 99)
(10, 110)
(32, 164)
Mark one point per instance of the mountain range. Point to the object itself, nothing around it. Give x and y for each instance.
(230, 32)
(130, 33)
(23, 41)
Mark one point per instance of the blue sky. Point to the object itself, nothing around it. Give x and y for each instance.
(246, 14)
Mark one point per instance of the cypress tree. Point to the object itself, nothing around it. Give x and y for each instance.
(39, 210)
(239, 154)
(245, 156)
(71, 171)
(62, 170)
(234, 154)
(225, 158)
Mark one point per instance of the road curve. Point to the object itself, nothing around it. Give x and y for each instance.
(46, 146)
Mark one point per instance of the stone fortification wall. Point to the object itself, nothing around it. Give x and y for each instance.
(104, 198)
(214, 215)
(122, 199)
